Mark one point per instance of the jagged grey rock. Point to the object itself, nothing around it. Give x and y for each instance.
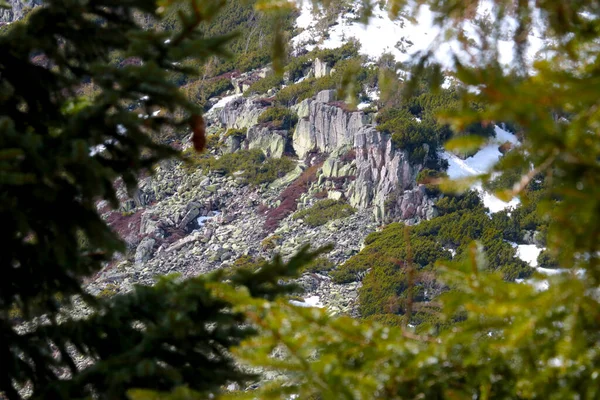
(386, 179)
(17, 9)
(272, 142)
(144, 250)
(326, 127)
(240, 113)
(321, 68)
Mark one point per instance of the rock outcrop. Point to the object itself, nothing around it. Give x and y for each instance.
(17, 10)
(321, 68)
(324, 126)
(386, 179)
(241, 113)
(272, 142)
(383, 176)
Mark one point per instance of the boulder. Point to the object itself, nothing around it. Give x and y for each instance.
(189, 216)
(240, 113)
(272, 142)
(144, 250)
(321, 68)
(335, 195)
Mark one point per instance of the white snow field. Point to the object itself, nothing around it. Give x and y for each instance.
(400, 37)
(312, 301)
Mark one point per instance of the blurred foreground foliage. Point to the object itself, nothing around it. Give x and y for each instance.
(533, 340)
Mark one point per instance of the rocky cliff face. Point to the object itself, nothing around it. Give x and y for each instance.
(386, 179)
(383, 177)
(240, 113)
(17, 10)
(324, 126)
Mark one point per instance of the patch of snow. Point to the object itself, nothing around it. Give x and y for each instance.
(494, 203)
(312, 301)
(529, 253)
(400, 37)
(503, 136)
(373, 94)
(97, 149)
(306, 17)
(155, 113)
(362, 106)
(224, 101)
(202, 220)
(550, 271)
(480, 163)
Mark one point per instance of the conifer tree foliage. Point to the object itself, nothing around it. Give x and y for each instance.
(59, 155)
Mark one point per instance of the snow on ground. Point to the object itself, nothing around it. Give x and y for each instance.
(312, 301)
(202, 220)
(401, 37)
(480, 163)
(529, 253)
(224, 101)
(379, 36)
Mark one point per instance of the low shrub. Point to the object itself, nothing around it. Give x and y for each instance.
(248, 263)
(297, 65)
(237, 133)
(278, 117)
(382, 262)
(324, 211)
(429, 178)
(308, 88)
(547, 260)
(321, 264)
(263, 85)
(257, 168)
(271, 242)
(109, 291)
(201, 90)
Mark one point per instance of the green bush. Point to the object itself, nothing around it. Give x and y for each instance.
(237, 133)
(248, 263)
(324, 211)
(297, 65)
(462, 220)
(257, 167)
(109, 291)
(279, 117)
(428, 177)
(547, 260)
(297, 92)
(388, 247)
(321, 264)
(250, 48)
(271, 242)
(413, 122)
(202, 90)
(344, 70)
(263, 85)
